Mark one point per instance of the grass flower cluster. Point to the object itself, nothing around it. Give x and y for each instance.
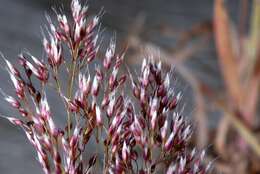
(140, 133)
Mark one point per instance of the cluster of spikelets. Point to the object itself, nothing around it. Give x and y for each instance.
(140, 133)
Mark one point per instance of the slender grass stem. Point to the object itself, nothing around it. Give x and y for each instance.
(70, 85)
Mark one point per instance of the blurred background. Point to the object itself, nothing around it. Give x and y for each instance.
(213, 46)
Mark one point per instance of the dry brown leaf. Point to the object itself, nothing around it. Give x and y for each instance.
(244, 131)
(252, 92)
(247, 135)
(220, 141)
(225, 51)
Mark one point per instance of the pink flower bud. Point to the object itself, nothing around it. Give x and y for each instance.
(95, 86)
(153, 112)
(51, 125)
(144, 64)
(98, 116)
(143, 96)
(153, 120)
(111, 105)
(164, 101)
(125, 152)
(47, 46)
(14, 121)
(169, 142)
(166, 82)
(136, 128)
(23, 112)
(15, 103)
(115, 123)
(186, 133)
(116, 135)
(75, 137)
(72, 106)
(112, 78)
(182, 164)
(145, 76)
(146, 153)
(173, 103)
(122, 80)
(80, 29)
(92, 24)
(178, 120)
(19, 86)
(109, 54)
(53, 50)
(164, 129)
(161, 92)
(171, 169)
(136, 92)
(44, 108)
(64, 23)
(92, 55)
(37, 62)
(105, 101)
(73, 141)
(76, 9)
(11, 68)
(99, 74)
(40, 72)
(46, 142)
(84, 84)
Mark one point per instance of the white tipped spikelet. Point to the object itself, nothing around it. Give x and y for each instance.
(10, 66)
(167, 81)
(125, 151)
(110, 52)
(164, 130)
(153, 112)
(98, 116)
